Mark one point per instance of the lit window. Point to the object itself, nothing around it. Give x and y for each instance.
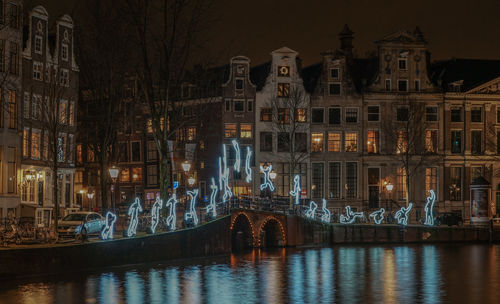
(430, 180)
(284, 115)
(266, 114)
(301, 115)
(401, 184)
(191, 133)
(334, 141)
(351, 142)
(431, 139)
(137, 174)
(317, 142)
(246, 131)
(35, 143)
(230, 131)
(372, 142)
(283, 90)
(125, 175)
(402, 142)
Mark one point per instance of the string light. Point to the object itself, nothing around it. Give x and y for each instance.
(133, 212)
(221, 174)
(155, 214)
(237, 163)
(311, 212)
(402, 214)
(429, 216)
(211, 208)
(172, 216)
(378, 216)
(248, 170)
(296, 189)
(191, 214)
(350, 216)
(325, 217)
(107, 232)
(267, 181)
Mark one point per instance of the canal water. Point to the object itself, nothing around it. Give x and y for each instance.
(443, 273)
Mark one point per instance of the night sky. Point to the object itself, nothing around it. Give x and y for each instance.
(453, 28)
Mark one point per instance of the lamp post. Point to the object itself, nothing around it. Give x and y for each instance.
(113, 172)
(388, 188)
(272, 176)
(90, 196)
(186, 166)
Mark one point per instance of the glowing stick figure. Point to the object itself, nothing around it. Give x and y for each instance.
(296, 189)
(267, 181)
(311, 212)
(326, 213)
(350, 216)
(378, 216)
(221, 174)
(237, 163)
(155, 214)
(248, 170)
(211, 208)
(107, 232)
(402, 214)
(133, 212)
(172, 215)
(191, 214)
(429, 216)
(225, 183)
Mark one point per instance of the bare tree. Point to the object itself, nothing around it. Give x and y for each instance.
(289, 121)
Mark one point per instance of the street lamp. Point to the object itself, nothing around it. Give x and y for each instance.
(113, 172)
(90, 196)
(388, 186)
(186, 166)
(191, 181)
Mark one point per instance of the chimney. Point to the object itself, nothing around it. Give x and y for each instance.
(346, 36)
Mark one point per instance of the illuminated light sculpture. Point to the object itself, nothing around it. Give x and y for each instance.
(133, 212)
(429, 216)
(107, 231)
(225, 183)
(191, 214)
(311, 212)
(155, 214)
(267, 180)
(296, 189)
(221, 174)
(378, 216)
(172, 215)
(325, 217)
(402, 214)
(350, 216)
(237, 163)
(211, 208)
(248, 170)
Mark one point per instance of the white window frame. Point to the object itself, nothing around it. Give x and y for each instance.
(38, 38)
(368, 113)
(38, 70)
(64, 51)
(405, 80)
(357, 114)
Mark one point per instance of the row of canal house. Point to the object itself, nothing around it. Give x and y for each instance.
(351, 120)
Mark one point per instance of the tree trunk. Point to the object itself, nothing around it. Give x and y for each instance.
(104, 184)
(55, 198)
(164, 178)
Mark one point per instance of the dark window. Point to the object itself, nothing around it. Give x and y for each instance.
(498, 142)
(431, 114)
(334, 73)
(402, 63)
(283, 142)
(476, 138)
(14, 16)
(334, 180)
(239, 84)
(266, 114)
(122, 152)
(351, 115)
(351, 170)
(402, 85)
(402, 114)
(388, 85)
(456, 141)
(228, 105)
(334, 116)
(13, 60)
(455, 183)
(417, 85)
(334, 88)
(266, 141)
(239, 106)
(475, 114)
(250, 105)
(317, 179)
(136, 151)
(456, 114)
(373, 113)
(498, 115)
(317, 115)
(300, 142)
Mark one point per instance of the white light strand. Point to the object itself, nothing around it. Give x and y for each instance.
(155, 214)
(172, 216)
(378, 216)
(248, 169)
(133, 212)
(429, 215)
(402, 214)
(237, 163)
(191, 214)
(311, 212)
(267, 181)
(296, 189)
(107, 232)
(325, 217)
(211, 208)
(350, 216)
(220, 174)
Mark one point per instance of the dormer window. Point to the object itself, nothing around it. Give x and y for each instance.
(38, 44)
(334, 73)
(238, 84)
(402, 64)
(64, 52)
(284, 71)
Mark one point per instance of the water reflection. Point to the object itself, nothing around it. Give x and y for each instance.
(372, 274)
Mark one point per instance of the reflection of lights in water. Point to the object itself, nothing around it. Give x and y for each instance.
(156, 294)
(295, 278)
(351, 268)
(311, 263)
(389, 280)
(430, 275)
(172, 292)
(327, 280)
(376, 269)
(134, 288)
(405, 268)
(191, 293)
(218, 285)
(270, 281)
(108, 291)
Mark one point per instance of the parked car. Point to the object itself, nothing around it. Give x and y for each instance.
(450, 219)
(79, 224)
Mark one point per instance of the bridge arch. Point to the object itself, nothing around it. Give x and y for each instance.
(242, 232)
(271, 233)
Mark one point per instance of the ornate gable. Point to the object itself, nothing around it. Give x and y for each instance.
(490, 87)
